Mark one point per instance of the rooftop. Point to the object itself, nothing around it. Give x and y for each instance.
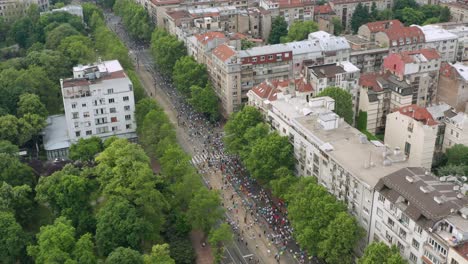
(265, 50)
(55, 133)
(438, 111)
(323, 9)
(463, 250)
(434, 33)
(422, 196)
(209, 36)
(269, 90)
(378, 26)
(378, 82)
(418, 113)
(329, 42)
(224, 52)
(405, 34)
(461, 69)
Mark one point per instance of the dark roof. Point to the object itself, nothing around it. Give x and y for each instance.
(421, 196)
(327, 71)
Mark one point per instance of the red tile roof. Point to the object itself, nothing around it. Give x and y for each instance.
(378, 26)
(302, 86)
(407, 56)
(165, 2)
(447, 70)
(462, 250)
(205, 38)
(397, 33)
(224, 52)
(418, 113)
(178, 14)
(370, 80)
(295, 3)
(323, 9)
(269, 89)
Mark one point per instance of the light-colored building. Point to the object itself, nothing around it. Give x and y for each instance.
(453, 86)
(456, 129)
(75, 10)
(98, 101)
(11, 9)
(413, 130)
(379, 94)
(365, 54)
(291, 10)
(399, 38)
(458, 11)
(458, 254)
(345, 8)
(445, 42)
(422, 215)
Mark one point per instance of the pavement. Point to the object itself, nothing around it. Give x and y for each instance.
(250, 244)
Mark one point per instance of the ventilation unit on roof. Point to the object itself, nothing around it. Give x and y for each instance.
(424, 189)
(439, 199)
(460, 196)
(409, 179)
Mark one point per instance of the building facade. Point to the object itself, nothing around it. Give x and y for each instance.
(453, 86)
(11, 9)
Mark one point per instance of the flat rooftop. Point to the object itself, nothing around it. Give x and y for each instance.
(360, 157)
(55, 133)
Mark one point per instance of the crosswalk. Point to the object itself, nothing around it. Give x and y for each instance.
(204, 157)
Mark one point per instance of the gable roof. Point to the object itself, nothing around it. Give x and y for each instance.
(224, 52)
(378, 26)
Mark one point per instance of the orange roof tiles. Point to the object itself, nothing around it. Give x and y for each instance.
(378, 26)
(206, 37)
(370, 80)
(397, 33)
(269, 89)
(224, 52)
(295, 3)
(407, 56)
(418, 113)
(323, 9)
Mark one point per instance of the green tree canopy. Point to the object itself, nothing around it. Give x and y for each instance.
(12, 238)
(205, 100)
(122, 255)
(17, 199)
(55, 36)
(8, 148)
(360, 17)
(279, 28)
(159, 254)
(457, 155)
(86, 149)
(337, 26)
(300, 30)
(237, 125)
(135, 18)
(246, 44)
(379, 252)
(143, 107)
(205, 210)
(187, 73)
(15, 173)
(78, 49)
(343, 102)
(31, 104)
(219, 238)
(166, 50)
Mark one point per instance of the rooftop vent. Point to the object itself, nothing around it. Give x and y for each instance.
(439, 199)
(409, 179)
(460, 196)
(424, 189)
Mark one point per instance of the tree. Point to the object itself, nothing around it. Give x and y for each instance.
(143, 107)
(79, 49)
(135, 18)
(9, 128)
(311, 209)
(86, 149)
(432, 20)
(269, 154)
(457, 155)
(374, 12)
(279, 28)
(337, 26)
(160, 254)
(385, 14)
(56, 243)
(55, 36)
(68, 195)
(401, 4)
(118, 225)
(343, 102)
(84, 250)
(410, 16)
(17, 199)
(155, 127)
(205, 100)
(445, 14)
(251, 136)
(166, 50)
(300, 30)
(8, 148)
(246, 44)
(15, 173)
(379, 252)
(218, 238)
(284, 179)
(205, 210)
(184, 190)
(361, 122)
(122, 255)
(340, 237)
(453, 170)
(236, 126)
(175, 164)
(187, 73)
(12, 238)
(31, 104)
(360, 17)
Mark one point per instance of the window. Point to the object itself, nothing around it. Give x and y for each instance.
(390, 222)
(73, 105)
(381, 198)
(377, 225)
(129, 126)
(254, 59)
(111, 100)
(454, 261)
(418, 229)
(86, 114)
(262, 58)
(125, 98)
(77, 133)
(110, 91)
(415, 244)
(127, 107)
(76, 124)
(270, 57)
(113, 119)
(115, 128)
(407, 148)
(128, 117)
(83, 105)
(412, 257)
(89, 132)
(404, 220)
(112, 110)
(75, 115)
(402, 233)
(379, 212)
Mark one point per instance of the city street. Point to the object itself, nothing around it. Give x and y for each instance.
(262, 231)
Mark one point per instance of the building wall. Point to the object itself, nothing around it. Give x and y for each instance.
(401, 130)
(454, 257)
(453, 91)
(455, 134)
(10, 9)
(447, 48)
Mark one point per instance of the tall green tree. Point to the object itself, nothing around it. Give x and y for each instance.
(205, 100)
(12, 238)
(379, 252)
(135, 19)
(343, 102)
(166, 50)
(237, 125)
(205, 210)
(187, 73)
(86, 149)
(279, 28)
(219, 238)
(122, 255)
(31, 104)
(8, 148)
(337, 26)
(457, 155)
(79, 49)
(410, 16)
(18, 200)
(340, 237)
(143, 107)
(15, 173)
(55, 36)
(300, 30)
(159, 254)
(360, 17)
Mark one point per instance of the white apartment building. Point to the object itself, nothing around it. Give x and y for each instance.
(414, 130)
(98, 101)
(456, 129)
(424, 216)
(445, 42)
(337, 154)
(10, 9)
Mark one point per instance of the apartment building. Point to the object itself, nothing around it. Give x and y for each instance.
(200, 45)
(456, 129)
(379, 94)
(458, 11)
(98, 101)
(157, 9)
(344, 9)
(453, 86)
(445, 42)
(400, 38)
(11, 9)
(291, 10)
(419, 68)
(323, 15)
(413, 130)
(424, 216)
